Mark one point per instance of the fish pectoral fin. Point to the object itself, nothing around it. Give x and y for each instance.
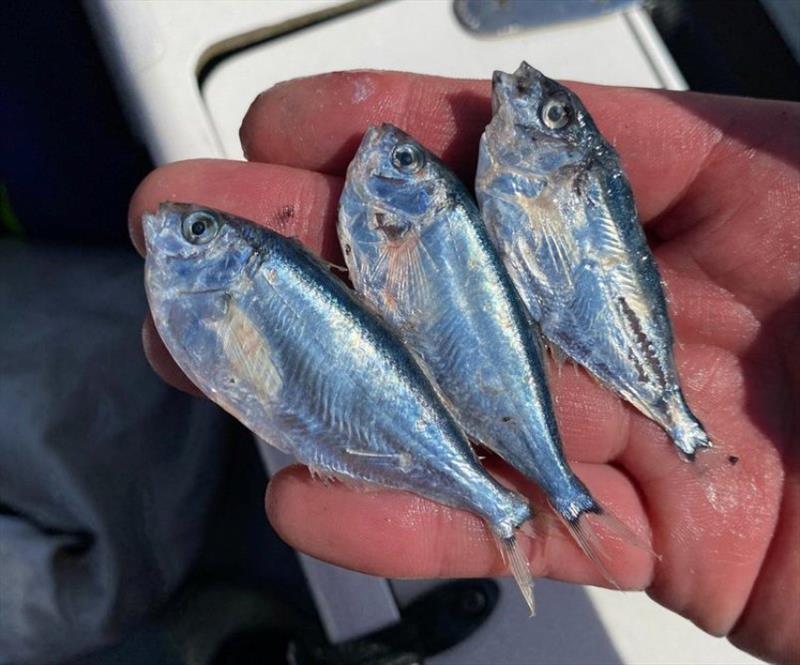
(403, 460)
(249, 354)
(405, 274)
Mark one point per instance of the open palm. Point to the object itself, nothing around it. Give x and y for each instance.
(717, 183)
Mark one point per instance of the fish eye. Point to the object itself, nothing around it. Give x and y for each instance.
(556, 113)
(200, 227)
(408, 158)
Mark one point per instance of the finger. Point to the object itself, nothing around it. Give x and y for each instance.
(592, 421)
(398, 534)
(446, 115)
(712, 520)
(294, 202)
(317, 123)
(701, 311)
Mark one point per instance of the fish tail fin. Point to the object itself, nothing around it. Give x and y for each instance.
(585, 522)
(518, 564)
(687, 432)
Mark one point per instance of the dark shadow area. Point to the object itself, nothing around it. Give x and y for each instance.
(131, 514)
(241, 547)
(727, 46)
(472, 112)
(69, 161)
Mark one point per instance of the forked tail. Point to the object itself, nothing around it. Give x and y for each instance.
(520, 569)
(582, 522)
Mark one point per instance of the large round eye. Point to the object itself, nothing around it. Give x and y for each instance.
(200, 227)
(408, 158)
(556, 113)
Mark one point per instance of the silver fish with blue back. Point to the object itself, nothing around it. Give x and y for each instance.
(265, 331)
(417, 249)
(562, 216)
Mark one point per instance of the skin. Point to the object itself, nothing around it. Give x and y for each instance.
(717, 184)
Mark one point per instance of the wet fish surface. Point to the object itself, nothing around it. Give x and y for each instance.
(416, 248)
(561, 213)
(266, 332)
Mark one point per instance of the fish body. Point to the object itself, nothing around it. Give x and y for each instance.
(562, 216)
(265, 331)
(416, 248)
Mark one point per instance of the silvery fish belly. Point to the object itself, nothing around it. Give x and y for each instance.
(265, 331)
(417, 249)
(561, 213)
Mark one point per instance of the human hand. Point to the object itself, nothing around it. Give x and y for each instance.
(717, 183)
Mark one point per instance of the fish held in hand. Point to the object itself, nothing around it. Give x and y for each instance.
(265, 331)
(417, 249)
(561, 213)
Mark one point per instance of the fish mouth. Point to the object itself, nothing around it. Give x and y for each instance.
(371, 137)
(527, 76)
(389, 179)
(523, 81)
(502, 85)
(367, 159)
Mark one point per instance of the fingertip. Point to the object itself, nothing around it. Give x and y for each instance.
(594, 423)
(136, 207)
(247, 128)
(279, 488)
(266, 118)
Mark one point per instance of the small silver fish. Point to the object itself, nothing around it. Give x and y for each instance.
(266, 332)
(417, 249)
(561, 213)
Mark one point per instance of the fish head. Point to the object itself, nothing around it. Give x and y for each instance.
(193, 249)
(395, 188)
(542, 119)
